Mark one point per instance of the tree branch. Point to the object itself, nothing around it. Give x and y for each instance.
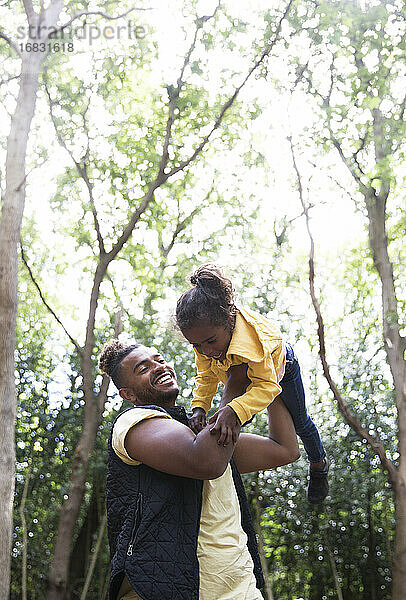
(402, 109)
(326, 104)
(360, 147)
(10, 42)
(182, 224)
(174, 95)
(161, 176)
(147, 198)
(118, 327)
(6, 81)
(232, 98)
(74, 342)
(374, 442)
(299, 77)
(334, 180)
(347, 161)
(173, 100)
(356, 174)
(81, 167)
(204, 18)
(29, 11)
(330, 91)
(100, 13)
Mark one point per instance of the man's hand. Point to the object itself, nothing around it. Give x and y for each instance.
(226, 424)
(197, 421)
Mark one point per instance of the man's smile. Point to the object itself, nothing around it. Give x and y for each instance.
(164, 378)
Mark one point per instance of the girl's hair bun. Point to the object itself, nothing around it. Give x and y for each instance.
(208, 276)
(210, 299)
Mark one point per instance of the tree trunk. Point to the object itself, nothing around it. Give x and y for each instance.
(24, 536)
(94, 557)
(261, 549)
(93, 414)
(58, 588)
(399, 553)
(370, 587)
(10, 226)
(332, 562)
(395, 348)
(83, 542)
(394, 342)
(58, 576)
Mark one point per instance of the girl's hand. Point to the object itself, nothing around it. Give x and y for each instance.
(226, 424)
(197, 421)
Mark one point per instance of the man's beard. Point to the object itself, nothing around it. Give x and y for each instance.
(160, 398)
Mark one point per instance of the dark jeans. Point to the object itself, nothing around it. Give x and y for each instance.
(293, 397)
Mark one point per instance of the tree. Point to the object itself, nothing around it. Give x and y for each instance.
(370, 433)
(356, 83)
(39, 25)
(10, 224)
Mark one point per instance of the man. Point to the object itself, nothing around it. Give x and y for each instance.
(178, 519)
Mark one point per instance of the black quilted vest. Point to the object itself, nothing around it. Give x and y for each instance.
(153, 524)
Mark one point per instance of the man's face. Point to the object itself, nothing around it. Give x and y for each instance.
(148, 379)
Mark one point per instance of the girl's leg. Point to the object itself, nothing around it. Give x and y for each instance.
(293, 396)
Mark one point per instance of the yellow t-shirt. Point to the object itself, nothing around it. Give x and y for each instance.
(257, 342)
(225, 564)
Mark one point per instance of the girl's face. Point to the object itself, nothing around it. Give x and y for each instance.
(210, 340)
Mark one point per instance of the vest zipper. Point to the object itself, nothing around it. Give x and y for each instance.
(137, 519)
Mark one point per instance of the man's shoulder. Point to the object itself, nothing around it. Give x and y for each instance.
(126, 421)
(139, 413)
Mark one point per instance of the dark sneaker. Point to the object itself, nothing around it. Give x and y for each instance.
(318, 484)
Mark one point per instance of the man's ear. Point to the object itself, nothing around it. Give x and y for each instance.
(128, 395)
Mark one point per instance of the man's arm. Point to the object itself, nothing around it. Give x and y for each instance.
(254, 452)
(171, 447)
(262, 392)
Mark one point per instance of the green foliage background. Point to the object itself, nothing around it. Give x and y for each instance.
(111, 120)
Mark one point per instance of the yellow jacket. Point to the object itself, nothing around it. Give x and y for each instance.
(257, 342)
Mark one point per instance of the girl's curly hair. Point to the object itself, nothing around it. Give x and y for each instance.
(211, 299)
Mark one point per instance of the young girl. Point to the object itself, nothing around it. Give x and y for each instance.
(223, 336)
